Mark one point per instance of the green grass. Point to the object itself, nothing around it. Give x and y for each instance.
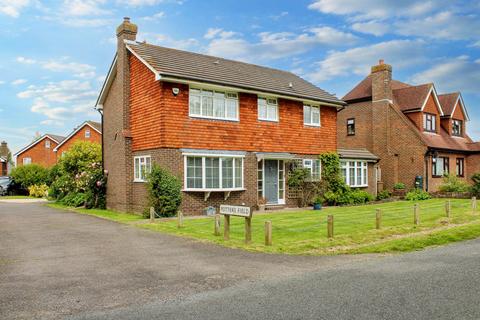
(105, 214)
(16, 197)
(305, 232)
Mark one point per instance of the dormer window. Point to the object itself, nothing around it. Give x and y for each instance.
(429, 122)
(457, 126)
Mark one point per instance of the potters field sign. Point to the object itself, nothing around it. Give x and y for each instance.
(235, 211)
(238, 211)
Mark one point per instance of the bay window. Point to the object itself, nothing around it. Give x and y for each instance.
(311, 115)
(142, 167)
(314, 166)
(355, 173)
(213, 173)
(267, 109)
(213, 104)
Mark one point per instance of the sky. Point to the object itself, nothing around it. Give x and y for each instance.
(54, 55)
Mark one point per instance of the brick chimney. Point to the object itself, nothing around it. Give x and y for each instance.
(4, 149)
(382, 81)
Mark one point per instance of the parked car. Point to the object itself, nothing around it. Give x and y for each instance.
(6, 186)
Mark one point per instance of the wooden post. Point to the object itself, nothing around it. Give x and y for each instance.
(268, 233)
(152, 215)
(226, 227)
(378, 219)
(448, 208)
(248, 230)
(330, 226)
(180, 219)
(216, 231)
(474, 204)
(416, 215)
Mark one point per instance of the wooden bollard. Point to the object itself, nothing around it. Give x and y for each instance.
(268, 233)
(180, 219)
(416, 215)
(216, 231)
(248, 230)
(226, 227)
(378, 219)
(152, 215)
(474, 204)
(330, 226)
(448, 208)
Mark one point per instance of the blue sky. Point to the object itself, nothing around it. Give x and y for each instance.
(55, 54)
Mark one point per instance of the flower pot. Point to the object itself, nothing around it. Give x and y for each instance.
(317, 206)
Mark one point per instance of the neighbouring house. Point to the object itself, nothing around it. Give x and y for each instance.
(417, 134)
(47, 149)
(5, 159)
(87, 131)
(41, 151)
(228, 129)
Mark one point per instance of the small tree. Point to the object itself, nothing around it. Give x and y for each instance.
(476, 184)
(164, 191)
(29, 175)
(452, 184)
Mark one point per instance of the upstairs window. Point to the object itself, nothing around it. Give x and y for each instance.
(212, 104)
(47, 144)
(314, 166)
(267, 109)
(351, 127)
(87, 133)
(460, 169)
(429, 122)
(457, 126)
(27, 161)
(440, 166)
(142, 167)
(311, 115)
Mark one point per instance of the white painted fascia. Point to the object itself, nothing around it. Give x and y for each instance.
(460, 100)
(74, 132)
(35, 143)
(148, 65)
(107, 84)
(432, 90)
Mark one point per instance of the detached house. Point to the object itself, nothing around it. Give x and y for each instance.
(4, 159)
(418, 134)
(47, 149)
(226, 128)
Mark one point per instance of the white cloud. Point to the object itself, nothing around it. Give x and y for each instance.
(79, 70)
(359, 60)
(373, 9)
(19, 82)
(25, 60)
(139, 3)
(155, 16)
(371, 27)
(83, 8)
(270, 46)
(457, 74)
(280, 15)
(443, 25)
(12, 8)
(2, 82)
(167, 41)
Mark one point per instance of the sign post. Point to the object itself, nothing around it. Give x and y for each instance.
(239, 211)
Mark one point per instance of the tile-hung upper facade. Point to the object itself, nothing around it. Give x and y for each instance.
(418, 135)
(230, 131)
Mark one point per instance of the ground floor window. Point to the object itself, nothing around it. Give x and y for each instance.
(440, 166)
(142, 167)
(314, 166)
(213, 173)
(460, 167)
(355, 173)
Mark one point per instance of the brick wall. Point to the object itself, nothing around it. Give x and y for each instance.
(95, 137)
(40, 154)
(362, 113)
(435, 182)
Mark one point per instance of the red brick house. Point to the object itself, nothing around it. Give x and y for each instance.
(87, 131)
(5, 158)
(415, 132)
(41, 151)
(228, 129)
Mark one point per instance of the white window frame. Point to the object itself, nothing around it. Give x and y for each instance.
(309, 164)
(457, 124)
(281, 186)
(87, 134)
(310, 109)
(27, 160)
(228, 96)
(269, 103)
(47, 144)
(138, 174)
(358, 164)
(204, 179)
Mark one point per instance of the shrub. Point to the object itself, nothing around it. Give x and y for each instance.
(476, 184)
(38, 191)
(417, 194)
(360, 196)
(399, 186)
(164, 191)
(384, 194)
(74, 199)
(452, 184)
(29, 175)
(348, 196)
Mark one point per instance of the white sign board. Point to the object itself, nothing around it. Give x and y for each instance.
(235, 211)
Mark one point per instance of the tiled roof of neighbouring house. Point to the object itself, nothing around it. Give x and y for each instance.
(363, 90)
(96, 125)
(362, 154)
(56, 137)
(448, 101)
(445, 141)
(411, 98)
(193, 66)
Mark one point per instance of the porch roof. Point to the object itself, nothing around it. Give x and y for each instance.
(362, 154)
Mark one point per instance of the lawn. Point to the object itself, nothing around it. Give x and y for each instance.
(16, 197)
(305, 232)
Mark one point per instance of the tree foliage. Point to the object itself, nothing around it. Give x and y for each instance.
(29, 175)
(164, 191)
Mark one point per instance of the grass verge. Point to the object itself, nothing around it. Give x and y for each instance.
(305, 232)
(105, 214)
(16, 197)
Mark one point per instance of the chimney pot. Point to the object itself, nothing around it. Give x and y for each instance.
(126, 19)
(381, 61)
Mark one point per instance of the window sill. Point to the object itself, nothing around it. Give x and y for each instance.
(437, 176)
(140, 181)
(214, 118)
(360, 186)
(350, 134)
(213, 190)
(268, 120)
(311, 125)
